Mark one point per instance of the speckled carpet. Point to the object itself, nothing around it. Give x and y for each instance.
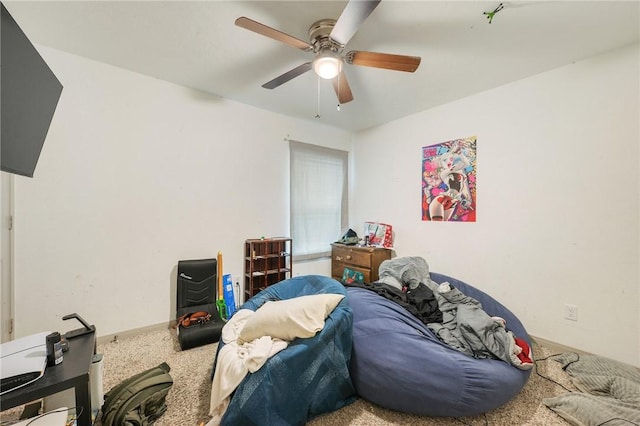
(188, 400)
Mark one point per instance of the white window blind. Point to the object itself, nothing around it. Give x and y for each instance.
(319, 199)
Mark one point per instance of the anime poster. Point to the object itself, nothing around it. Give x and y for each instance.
(449, 181)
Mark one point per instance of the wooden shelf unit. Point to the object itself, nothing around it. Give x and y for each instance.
(266, 261)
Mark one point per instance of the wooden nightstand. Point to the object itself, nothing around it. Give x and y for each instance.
(363, 259)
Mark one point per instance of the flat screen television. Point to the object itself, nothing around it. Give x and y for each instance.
(30, 93)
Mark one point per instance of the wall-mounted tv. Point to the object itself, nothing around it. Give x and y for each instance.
(30, 93)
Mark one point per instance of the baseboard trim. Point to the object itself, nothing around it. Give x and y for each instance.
(554, 346)
(127, 334)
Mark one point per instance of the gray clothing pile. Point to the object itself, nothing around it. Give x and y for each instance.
(468, 328)
(465, 326)
(404, 271)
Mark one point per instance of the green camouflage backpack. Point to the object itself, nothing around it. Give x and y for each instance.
(138, 400)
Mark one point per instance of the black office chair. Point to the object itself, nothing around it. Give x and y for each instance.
(197, 286)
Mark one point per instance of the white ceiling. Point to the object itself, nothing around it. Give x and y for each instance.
(196, 44)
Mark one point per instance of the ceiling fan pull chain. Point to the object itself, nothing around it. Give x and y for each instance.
(318, 108)
(339, 92)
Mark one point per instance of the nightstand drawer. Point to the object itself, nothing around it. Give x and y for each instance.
(337, 270)
(352, 256)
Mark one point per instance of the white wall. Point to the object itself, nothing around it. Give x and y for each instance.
(135, 175)
(558, 190)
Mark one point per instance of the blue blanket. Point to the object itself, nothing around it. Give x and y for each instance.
(308, 378)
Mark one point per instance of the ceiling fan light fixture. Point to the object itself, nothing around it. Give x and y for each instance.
(327, 66)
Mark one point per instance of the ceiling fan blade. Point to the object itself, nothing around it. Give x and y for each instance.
(383, 60)
(341, 86)
(289, 75)
(351, 18)
(266, 31)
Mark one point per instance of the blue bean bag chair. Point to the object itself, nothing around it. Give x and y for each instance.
(400, 364)
(309, 377)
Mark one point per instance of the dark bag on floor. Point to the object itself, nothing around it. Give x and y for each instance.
(138, 400)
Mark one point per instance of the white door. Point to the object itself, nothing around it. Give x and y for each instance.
(6, 263)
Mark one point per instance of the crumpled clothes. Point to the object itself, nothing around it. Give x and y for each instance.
(236, 360)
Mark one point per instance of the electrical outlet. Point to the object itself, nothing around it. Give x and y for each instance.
(571, 312)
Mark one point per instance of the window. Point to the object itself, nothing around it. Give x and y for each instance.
(319, 210)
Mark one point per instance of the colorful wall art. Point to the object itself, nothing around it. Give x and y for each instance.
(449, 181)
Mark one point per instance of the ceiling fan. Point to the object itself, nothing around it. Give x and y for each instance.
(327, 39)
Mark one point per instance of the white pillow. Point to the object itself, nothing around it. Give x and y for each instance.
(287, 319)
